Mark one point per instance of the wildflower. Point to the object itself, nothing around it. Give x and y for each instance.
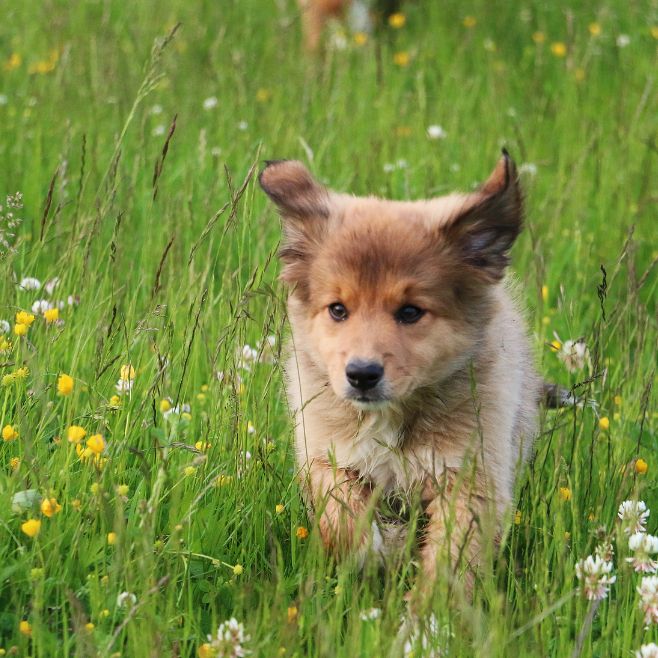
(617, 400)
(605, 550)
(5, 327)
(573, 353)
(165, 405)
(50, 286)
(229, 640)
(126, 600)
(292, 613)
(263, 95)
(65, 385)
(75, 433)
(654, 31)
(89, 627)
(643, 545)
(238, 570)
(124, 386)
(30, 283)
(243, 125)
(641, 467)
(14, 61)
(604, 423)
(544, 294)
(76, 504)
(517, 517)
(22, 373)
(559, 49)
(189, 470)
(538, 37)
(371, 614)
(202, 446)
(205, 651)
(401, 58)
(51, 315)
(301, 533)
(31, 527)
(96, 443)
(123, 489)
(360, 38)
(436, 132)
(594, 29)
(115, 402)
(648, 591)
(279, 509)
(210, 103)
(111, 538)
(25, 628)
(23, 317)
(647, 651)
(250, 428)
(594, 574)
(623, 40)
(397, 20)
(469, 22)
(633, 515)
(565, 494)
(14, 463)
(159, 130)
(9, 433)
(50, 507)
(20, 329)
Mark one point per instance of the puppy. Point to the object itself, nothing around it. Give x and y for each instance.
(409, 368)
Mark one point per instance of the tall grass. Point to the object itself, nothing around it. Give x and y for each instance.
(133, 132)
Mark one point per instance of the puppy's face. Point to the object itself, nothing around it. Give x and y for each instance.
(389, 297)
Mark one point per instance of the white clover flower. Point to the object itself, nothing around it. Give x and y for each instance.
(156, 109)
(124, 386)
(648, 591)
(229, 640)
(30, 283)
(215, 151)
(250, 428)
(623, 40)
(159, 130)
(50, 286)
(249, 353)
(647, 651)
(178, 410)
(595, 578)
(210, 103)
(633, 515)
(5, 327)
(401, 163)
(436, 132)
(643, 545)
(573, 353)
(389, 167)
(605, 550)
(126, 600)
(40, 306)
(243, 125)
(529, 168)
(370, 614)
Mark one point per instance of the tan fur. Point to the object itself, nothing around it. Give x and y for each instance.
(460, 389)
(315, 14)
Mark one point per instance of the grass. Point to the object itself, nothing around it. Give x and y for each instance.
(145, 205)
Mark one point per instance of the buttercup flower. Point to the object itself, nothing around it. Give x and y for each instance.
(565, 494)
(23, 317)
(50, 507)
(111, 538)
(31, 527)
(301, 533)
(65, 385)
(9, 433)
(643, 545)
(397, 20)
(559, 49)
(633, 515)
(641, 466)
(75, 433)
(595, 578)
(25, 628)
(96, 443)
(51, 315)
(604, 423)
(21, 329)
(401, 59)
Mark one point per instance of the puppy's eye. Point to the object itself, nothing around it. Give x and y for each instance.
(409, 314)
(337, 312)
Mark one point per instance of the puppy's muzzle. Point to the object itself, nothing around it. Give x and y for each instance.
(364, 375)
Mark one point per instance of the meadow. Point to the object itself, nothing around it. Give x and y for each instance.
(148, 490)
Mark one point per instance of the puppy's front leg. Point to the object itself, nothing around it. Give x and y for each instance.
(341, 499)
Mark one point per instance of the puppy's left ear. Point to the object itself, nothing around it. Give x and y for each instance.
(485, 231)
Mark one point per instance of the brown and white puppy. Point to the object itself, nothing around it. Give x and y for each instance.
(409, 366)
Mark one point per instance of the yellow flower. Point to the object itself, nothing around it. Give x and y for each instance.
(20, 329)
(556, 345)
(14, 61)
(75, 433)
(123, 489)
(469, 21)
(263, 95)
(14, 462)
(165, 405)
(76, 504)
(205, 388)
(559, 49)
(238, 570)
(8, 379)
(641, 466)
(115, 402)
(517, 517)
(397, 20)
(280, 509)
(544, 293)
(127, 373)
(301, 533)
(65, 385)
(111, 538)
(292, 614)
(546, 320)
(565, 494)
(95, 488)
(31, 527)
(96, 443)
(189, 470)
(104, 613)
(23, 317)
(205, 651)
(223, 480)
(25, 628)
(9, 433)
(360, 38)
(604, 423)
(401, 58)
(89, 627)
(538, 37)
(50, 507)
(5, 345)
(594, 29)
(51, 315)
(201, 397)
(202, 446)
(22, 373)
(186, 415)
(654, 31)
(617, 400)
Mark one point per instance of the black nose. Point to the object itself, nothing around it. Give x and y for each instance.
(364, 375)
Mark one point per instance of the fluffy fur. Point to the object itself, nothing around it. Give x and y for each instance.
(455, 410)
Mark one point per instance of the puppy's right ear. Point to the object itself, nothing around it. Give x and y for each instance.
(304, 206)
